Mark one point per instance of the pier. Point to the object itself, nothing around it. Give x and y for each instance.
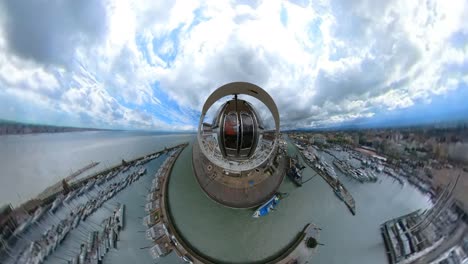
(69, 178)
(335, 184)
(82, 170)
(49, 195)
(170, 239)
(57, 229)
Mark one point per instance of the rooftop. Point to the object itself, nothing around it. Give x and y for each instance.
(239, 190)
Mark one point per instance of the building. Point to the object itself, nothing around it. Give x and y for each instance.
(456, 254)
(236, 162)
(429, 236)
(318, 139)
(160, 250)
(156, 232)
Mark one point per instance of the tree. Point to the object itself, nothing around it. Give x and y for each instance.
(311, 242)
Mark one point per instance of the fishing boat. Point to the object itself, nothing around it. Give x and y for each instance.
(339, 164)
(23, 226)
(295, 175)
(329, 169)
(90, 185)
(70, 196)
(372, 176)
(121, 216)
(57, 202)
(299, 166)
(81, 190)
(151, 196)
(267, 207)
(294, 171)
(126, 168)
(141, 171)
(187, 259)
(155, 186)
(83, 254)
(74, 260)
(101, 180)
(38, 214)
(299, 147)
(151, 206)
(111, 175)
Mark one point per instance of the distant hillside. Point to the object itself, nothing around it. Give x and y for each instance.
(16, 128)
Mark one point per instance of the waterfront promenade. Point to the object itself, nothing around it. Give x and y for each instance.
(295, 252)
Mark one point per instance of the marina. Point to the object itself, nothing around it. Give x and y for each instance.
(157, 219)
(358, 174)
(202, 222)
(47, 231)
(68, 178)
(234, 132)
(328, 174)
(438, 229)
(81, 171)
(167, 237)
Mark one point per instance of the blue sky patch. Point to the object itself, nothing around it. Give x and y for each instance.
(284, 15)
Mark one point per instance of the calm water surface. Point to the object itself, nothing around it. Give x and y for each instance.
(32, 162)
(234, 236)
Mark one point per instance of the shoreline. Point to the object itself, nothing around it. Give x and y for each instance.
(49, 194)
(294, 250)
(346, 198)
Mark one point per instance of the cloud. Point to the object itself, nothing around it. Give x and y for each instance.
(332, 62)
(49, 32)
(138, 64)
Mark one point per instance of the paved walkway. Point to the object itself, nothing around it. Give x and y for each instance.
(296, 252)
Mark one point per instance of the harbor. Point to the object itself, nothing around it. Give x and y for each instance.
(370, 165)
(423, 235)
(110, 172)
(204, 224)
(81, 171)
(158, 221)
(325, 171)
(69, 178)
(79, 223)
(166, 237)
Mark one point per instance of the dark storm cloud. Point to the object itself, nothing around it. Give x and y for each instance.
(48, 32)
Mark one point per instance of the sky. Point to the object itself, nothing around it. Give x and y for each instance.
(151, 64)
